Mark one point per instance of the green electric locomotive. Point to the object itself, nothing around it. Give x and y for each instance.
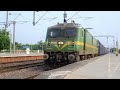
(67, 43)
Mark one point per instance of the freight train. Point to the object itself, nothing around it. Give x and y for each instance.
(68, 43)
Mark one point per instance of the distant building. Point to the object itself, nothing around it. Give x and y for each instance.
(24, 47)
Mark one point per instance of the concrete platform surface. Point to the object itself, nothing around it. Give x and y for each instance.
(105, 67)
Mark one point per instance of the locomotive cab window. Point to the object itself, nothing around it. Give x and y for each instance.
(57, 32)
(69, 32)
(53, 33)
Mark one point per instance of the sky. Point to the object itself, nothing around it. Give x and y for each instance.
(102, 22)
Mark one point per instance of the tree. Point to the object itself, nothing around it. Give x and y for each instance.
(18, 45)
(41, 45)
(4, 40)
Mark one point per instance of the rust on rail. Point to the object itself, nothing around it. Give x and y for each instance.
(19, 58)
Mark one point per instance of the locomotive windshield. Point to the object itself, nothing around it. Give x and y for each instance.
(54, 33)
(69, 32)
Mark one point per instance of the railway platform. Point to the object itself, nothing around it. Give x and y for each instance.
(10, 58)
(21, 54)
(105, 67)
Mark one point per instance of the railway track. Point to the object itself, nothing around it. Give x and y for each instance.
(26, 71)
(32, 77)
(18, 67)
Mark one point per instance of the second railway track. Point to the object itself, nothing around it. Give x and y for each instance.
(18, 67)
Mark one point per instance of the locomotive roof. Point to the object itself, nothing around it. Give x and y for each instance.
(65, 25)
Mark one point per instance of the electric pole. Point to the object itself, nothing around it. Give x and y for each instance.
(10, 40)
(33, 18)
(65, 16)
(14, 37)
(116, 47)
(107, 43)
(113, 45)
(6, 25)
(42, 45)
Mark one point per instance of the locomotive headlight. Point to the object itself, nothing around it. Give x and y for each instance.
(49, 43)
(60, 43)
(73, 43)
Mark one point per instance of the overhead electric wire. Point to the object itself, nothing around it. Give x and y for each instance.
(84, 21)
(41, 17)
(37, 14)
(25, 17)
(73, 15)
(17, 16)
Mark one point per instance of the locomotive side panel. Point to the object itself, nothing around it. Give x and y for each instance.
(80, 41)
(89, 48)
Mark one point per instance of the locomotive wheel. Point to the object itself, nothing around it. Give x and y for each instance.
(85, 57)
(92, 55)
(46, 62)
(81, 58)
(77, 58)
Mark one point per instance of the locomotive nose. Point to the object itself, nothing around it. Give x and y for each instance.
(45, 56)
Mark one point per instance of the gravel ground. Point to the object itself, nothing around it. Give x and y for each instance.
(22, 73)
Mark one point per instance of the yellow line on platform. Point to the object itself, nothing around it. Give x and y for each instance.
(109, 67)
(116, 68)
